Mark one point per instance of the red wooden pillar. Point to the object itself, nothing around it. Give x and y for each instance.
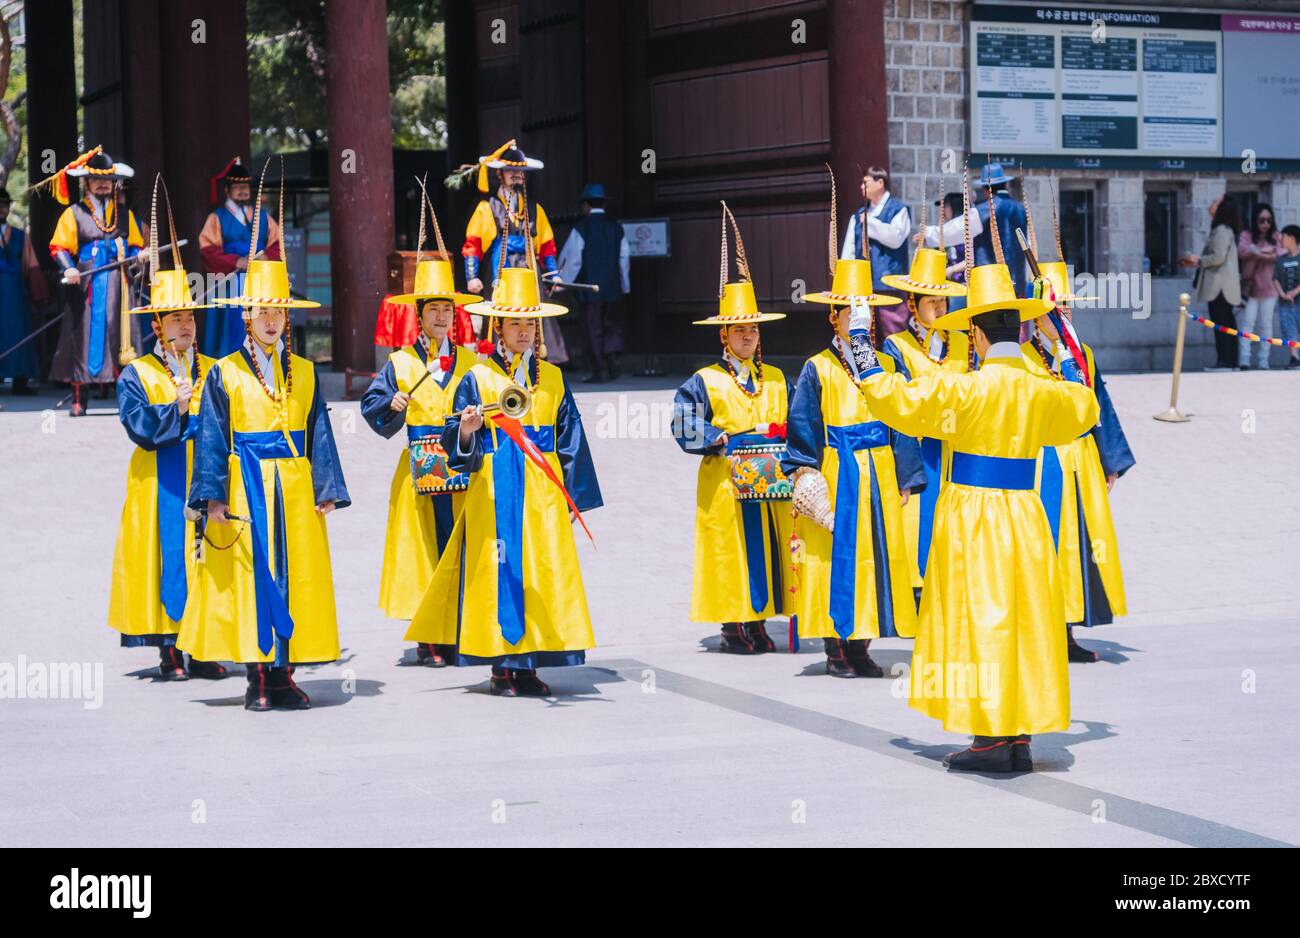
(203, 100)
(360, 173)
(858, 99)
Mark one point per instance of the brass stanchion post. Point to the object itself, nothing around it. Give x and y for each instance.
(1173, 414)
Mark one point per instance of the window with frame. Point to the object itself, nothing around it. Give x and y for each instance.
(1160, 219)
(1078, 212)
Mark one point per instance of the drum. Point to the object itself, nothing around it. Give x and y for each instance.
(756, 472)
(430, 473)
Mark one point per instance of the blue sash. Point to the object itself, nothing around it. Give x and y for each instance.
(992, 472)
(847, 441)
(932, 459)
(272, 606)
(98, 253)
(170, 461)
(508, 467)
(1050, 488)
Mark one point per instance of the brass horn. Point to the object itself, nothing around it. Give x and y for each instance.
(516, 400)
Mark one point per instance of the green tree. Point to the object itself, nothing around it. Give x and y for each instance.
(286, 71)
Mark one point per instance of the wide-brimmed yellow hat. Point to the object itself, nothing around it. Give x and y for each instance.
(434, 281)
(990, 287)
(737, 306)
(928, 276)
(1057, 273)
(516, 295)
(266, 284)
(169, 292)
(852, 281)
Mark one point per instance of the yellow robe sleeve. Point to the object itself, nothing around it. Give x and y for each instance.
(1074, 412)
(930, 405)
(545, 234)
(480, 232)
(133, 238)
(65, 233)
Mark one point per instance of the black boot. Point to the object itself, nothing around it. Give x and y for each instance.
(736, 640)
(258, 695)
(837, 659)
(285, 694)
(430, 655)
(502, 685)
(758, 637)
(528, 684)
(1075, 651)
(21, 388)
(1021, 759)
(208, 670)
(860, 661)
(171, 664)
(986, 754)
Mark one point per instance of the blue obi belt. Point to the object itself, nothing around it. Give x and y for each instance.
(272, 602)
(992, 472)
(846, 441)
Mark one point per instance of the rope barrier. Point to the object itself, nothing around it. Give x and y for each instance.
(1226, 330)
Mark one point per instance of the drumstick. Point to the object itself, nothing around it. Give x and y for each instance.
(424, 377)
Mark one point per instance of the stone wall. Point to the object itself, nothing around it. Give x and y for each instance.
(927, 73)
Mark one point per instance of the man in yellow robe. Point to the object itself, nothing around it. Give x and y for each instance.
(990, 656)
(853, 571)
(507, 591)
(158, 397)
(266, 474)
(733, 414)
(415, 390)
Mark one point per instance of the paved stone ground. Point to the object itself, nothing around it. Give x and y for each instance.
(659, 739)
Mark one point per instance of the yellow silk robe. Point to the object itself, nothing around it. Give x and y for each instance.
(734, 580)
(411, 546)
(136, 605)
(848, 425)
(918, 513)
(505, 595)
(990, 656)
(1083, 485)
(288, 450)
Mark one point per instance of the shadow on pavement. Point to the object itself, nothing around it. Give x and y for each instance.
(568, 685)
(323, 693)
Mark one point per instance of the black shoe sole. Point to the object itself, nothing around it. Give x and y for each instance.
(531, 692)
(994, 768)
(170, 675)
(288, 700)
(731, 649)
(260, 706)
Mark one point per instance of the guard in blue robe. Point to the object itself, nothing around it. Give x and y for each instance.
(224, 242)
